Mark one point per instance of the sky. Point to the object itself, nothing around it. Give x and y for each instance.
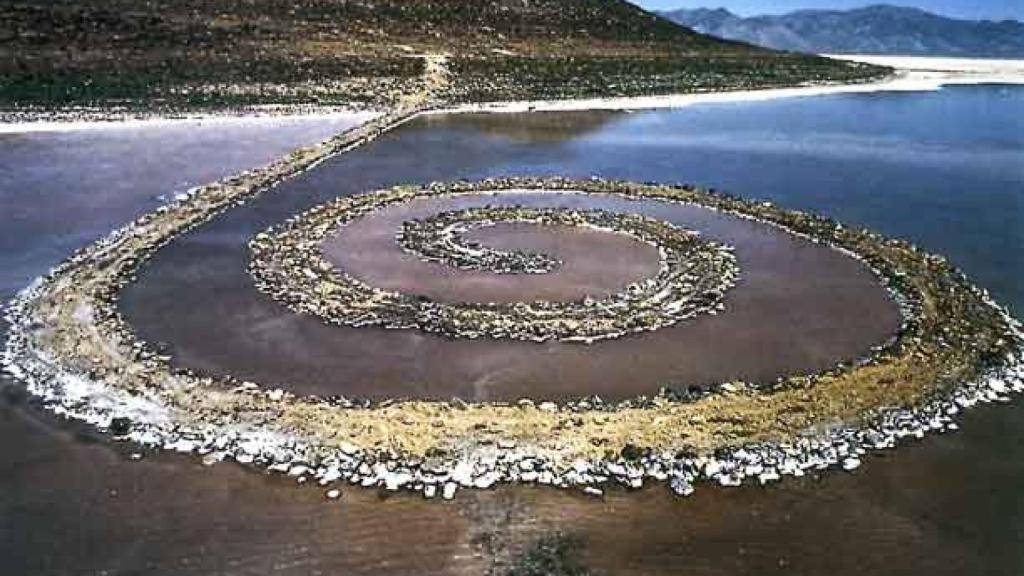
(974, 9)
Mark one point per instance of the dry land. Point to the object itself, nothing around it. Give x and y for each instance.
(93, 59)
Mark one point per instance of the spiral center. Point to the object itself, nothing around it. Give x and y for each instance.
(692, 275)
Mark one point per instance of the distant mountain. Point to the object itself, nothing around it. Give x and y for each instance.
(879, 29)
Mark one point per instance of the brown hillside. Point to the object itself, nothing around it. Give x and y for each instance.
(216, 53)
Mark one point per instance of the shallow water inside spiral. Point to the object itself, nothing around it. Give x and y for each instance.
(944, 169)
(215, 320)
(591, 263)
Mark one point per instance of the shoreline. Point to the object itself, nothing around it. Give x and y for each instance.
(913, 74)
(282, 116)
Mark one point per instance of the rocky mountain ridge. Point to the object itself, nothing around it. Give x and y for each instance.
(878, 29)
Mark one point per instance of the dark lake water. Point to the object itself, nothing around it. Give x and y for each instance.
(944, 169)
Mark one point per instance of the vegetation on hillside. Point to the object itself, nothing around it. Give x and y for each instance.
(194, 54)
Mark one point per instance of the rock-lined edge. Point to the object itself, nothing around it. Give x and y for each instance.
(136, 395)
(288, 265)
(440, 238)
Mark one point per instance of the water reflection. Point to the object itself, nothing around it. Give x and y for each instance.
(537, 127)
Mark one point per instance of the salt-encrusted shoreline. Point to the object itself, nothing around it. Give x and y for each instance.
(106, 121)
(504, 462)
(912, 75)
(73, 351)
(985, 68)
